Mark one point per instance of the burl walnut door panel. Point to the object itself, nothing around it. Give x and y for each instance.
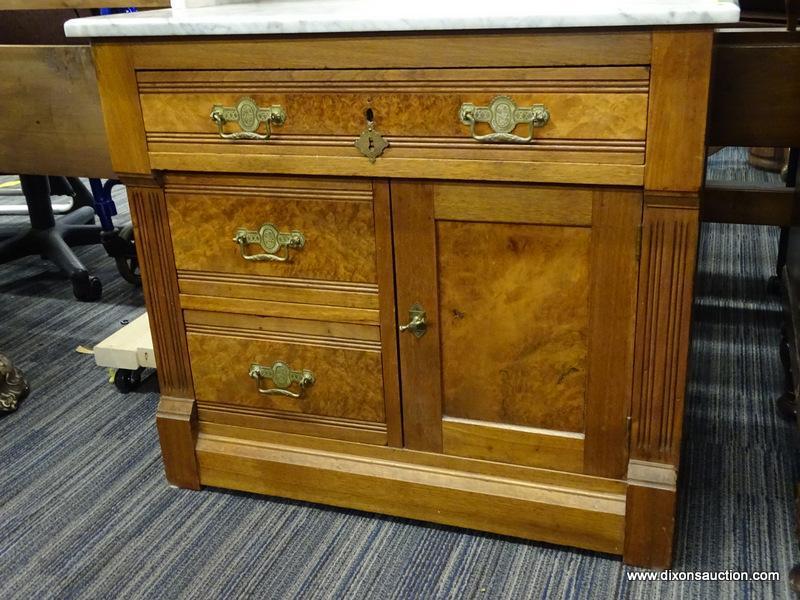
(529, 295)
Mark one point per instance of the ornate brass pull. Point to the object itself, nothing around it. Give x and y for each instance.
(282, 377)
(503, 116)
(418, 323)
(249, 116)
(271, 240)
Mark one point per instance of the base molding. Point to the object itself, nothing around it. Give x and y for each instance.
(651, 474)
(634, 517)
(545, 512)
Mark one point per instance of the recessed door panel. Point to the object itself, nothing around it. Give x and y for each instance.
(528, 295)
(514, 314)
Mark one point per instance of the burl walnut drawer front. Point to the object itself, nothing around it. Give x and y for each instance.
(392, 122)
(301, 377)
(299, 240)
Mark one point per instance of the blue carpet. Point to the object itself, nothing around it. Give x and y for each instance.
(85, 511)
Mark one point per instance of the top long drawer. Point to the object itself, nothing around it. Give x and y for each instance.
(574, 124)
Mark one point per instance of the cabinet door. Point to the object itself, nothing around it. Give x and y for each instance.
(529, 295)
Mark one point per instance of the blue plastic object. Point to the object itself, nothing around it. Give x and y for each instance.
(104, 206)
(116, 11)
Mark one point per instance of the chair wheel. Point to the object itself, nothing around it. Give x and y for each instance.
(129, 269)
(87, 289)
(128, 264)
(127, 380)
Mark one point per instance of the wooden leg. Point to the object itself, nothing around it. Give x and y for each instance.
(650, 514)
(787, 402)
(177, 432)
(177, 414)
(794, 574)
(649, 527)
(670, 230)
(666, 276)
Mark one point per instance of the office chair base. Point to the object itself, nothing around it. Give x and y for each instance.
(13, 386)
(53, 240)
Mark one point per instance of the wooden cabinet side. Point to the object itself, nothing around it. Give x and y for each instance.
(177, 413)
(680, 75)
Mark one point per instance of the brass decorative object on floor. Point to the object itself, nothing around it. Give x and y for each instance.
(13, 386)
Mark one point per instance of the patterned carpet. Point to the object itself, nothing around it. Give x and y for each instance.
(85, 511)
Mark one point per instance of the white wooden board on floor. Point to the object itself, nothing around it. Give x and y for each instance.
(129, 348)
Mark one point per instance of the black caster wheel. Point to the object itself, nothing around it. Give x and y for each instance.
(87, 288)
(128, 265)
(775, 285)
(127, 380)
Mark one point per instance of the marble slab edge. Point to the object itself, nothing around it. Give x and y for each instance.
(358, 16)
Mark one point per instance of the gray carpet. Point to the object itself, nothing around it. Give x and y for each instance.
(85, 511)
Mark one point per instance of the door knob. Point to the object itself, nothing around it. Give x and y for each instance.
(418, 321)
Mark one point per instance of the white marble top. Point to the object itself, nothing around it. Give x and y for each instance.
(331, 16)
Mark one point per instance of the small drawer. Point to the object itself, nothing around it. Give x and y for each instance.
(315, 121)
(268, 373)
(272, 229)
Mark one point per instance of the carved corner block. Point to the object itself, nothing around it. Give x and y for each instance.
(162, 296)
(666, 280)
(177, 431)
(13, 386)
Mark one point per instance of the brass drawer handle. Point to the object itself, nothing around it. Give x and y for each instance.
(249, 116)
(282, 377)
(271, 240)
(503, 116)
(417, 323)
